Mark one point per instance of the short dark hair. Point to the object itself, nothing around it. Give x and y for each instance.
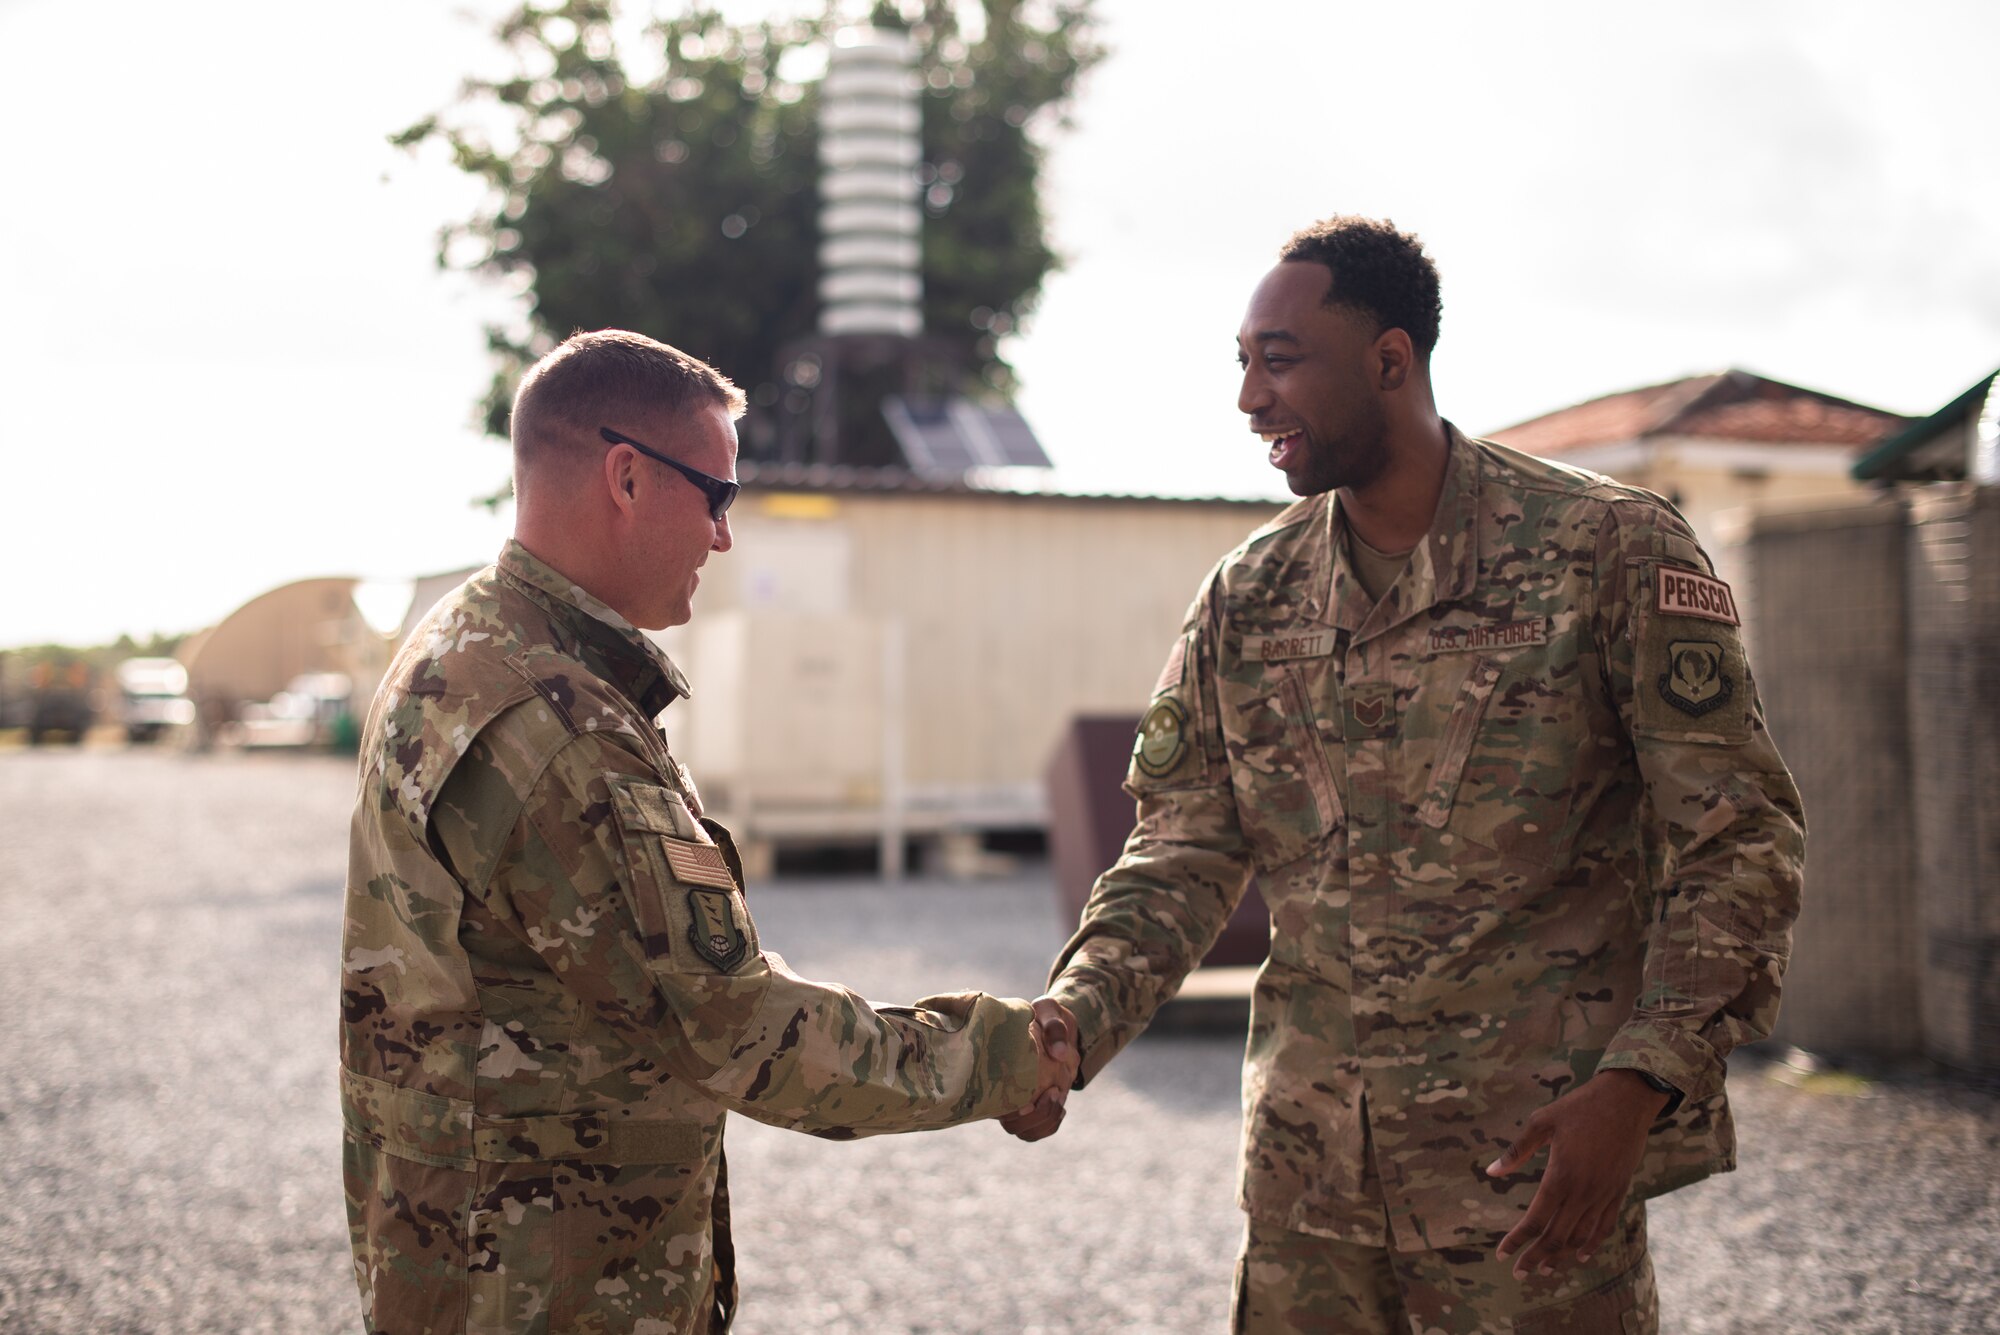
(608, 377)
(1377, 270)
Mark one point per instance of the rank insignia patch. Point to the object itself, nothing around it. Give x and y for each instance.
(714, 933)
(1162, 739)
(1694, 682)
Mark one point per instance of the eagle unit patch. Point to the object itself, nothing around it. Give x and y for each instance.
(714, 932)
(1694, 681)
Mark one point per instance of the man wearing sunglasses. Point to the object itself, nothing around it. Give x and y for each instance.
(552, 988)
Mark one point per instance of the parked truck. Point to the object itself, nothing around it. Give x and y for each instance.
(152, 697)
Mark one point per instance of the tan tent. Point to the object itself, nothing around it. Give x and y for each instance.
(254, 653)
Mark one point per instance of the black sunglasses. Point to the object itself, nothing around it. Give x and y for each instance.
(721, 494)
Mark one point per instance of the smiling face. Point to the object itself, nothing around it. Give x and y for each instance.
(1308, 384)
(672, 533)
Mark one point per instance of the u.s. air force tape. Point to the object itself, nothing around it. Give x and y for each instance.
(1489, 635)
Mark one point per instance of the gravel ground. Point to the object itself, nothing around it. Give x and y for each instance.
(169, 1135)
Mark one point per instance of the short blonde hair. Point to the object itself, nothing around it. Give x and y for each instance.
(607, 377)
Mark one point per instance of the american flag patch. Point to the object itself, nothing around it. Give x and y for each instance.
(698, 864)
(1170, 675)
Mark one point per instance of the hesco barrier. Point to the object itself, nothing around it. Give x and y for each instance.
(1876, 643)
(1954, 652)
(1826, 645)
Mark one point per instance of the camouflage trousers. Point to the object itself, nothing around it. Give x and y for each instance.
(1299, 1284)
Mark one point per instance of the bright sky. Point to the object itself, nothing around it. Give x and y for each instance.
(229, 361)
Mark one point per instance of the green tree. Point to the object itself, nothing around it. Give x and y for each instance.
(684, 203)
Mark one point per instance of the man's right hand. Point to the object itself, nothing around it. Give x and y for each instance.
(1056, 1045)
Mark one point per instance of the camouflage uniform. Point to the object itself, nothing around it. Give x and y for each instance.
(1299, 1282)
(552, 989)
(1518, 823)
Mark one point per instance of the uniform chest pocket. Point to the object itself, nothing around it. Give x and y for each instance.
(690, 911)
(1509, 760)
(1286, 800)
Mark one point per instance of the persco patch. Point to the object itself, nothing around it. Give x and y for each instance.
(1679, 592)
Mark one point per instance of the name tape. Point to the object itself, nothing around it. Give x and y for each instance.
(1688, 593)
(1284, 648)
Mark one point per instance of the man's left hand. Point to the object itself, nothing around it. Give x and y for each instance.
(1596, 1136)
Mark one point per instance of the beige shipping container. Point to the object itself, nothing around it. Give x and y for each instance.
(873, 659)
(823, 747)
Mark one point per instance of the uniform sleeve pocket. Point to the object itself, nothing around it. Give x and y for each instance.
(690, 910)
(1172, 749)
(1690, 680)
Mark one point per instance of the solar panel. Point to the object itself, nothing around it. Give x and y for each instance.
(950, 437)
(1013, 440)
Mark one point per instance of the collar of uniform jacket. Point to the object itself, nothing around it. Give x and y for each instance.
(607, 643)
(1442, 567)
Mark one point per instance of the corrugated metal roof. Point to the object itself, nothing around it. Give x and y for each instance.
(842, 479)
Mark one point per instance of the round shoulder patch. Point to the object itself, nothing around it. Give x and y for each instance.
(1162, 739)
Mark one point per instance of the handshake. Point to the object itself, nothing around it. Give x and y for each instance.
(1057, 1046)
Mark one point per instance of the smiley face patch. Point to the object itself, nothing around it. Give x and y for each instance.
(1162, 741)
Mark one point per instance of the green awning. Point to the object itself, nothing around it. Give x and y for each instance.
(1889, 461)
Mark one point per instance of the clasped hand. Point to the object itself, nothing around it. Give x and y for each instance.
(1060, 1053)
